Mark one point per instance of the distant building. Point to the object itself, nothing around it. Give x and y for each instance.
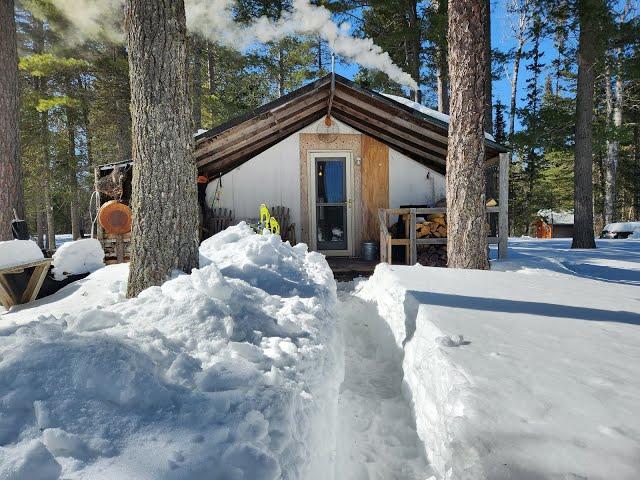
(551, 224)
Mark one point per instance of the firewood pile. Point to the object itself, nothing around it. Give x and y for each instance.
(435, 226)
(432, 255)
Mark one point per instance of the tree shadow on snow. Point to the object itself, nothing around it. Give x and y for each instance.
(524, 307)
(604, 273)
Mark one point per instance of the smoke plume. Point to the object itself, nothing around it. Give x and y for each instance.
(213, 19)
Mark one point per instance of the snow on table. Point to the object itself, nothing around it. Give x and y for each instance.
(16, 252)
(230, 372)
(522, 374)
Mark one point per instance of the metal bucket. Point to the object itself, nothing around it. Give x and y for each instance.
(370, 251)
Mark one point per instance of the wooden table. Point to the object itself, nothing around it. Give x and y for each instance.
(8, 296)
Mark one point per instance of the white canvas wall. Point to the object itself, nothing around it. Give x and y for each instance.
(411, 183)
(273, 177)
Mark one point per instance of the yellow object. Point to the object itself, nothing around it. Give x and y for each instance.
(265, 215)
(274, 226)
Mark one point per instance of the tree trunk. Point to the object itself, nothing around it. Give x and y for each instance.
(488, 93)
(51, 226)
(611, 161)
(40, 227)
(124, 115)
(583, 236)
(197, 84)
(466, 210)
(211, 64)
(514, 87)
(415, 41)
(72, 167)
(11, 195)
(164, 235)
(442, 67)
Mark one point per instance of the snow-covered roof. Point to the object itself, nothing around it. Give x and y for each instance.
(622, 227)
(556, 218)
(411, 129)
(443, 117)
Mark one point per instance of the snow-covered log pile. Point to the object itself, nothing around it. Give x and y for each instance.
(515, 374)
(230, 372)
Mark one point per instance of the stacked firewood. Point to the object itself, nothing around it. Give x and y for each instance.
(435, 226)
(432, 255)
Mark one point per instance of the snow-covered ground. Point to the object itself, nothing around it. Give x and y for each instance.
(530, 372)
(253, 367)
(377, 436)
(231, 372)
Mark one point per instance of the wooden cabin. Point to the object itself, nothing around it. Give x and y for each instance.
(334, 154)
(347, 164)
(550, 224)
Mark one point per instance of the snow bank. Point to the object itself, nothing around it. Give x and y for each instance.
(622, 227)
(15, 252)
(515, 375)
(81, 256)
(223, 373)
(443, 117)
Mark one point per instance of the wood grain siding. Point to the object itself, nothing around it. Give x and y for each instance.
(375, 184)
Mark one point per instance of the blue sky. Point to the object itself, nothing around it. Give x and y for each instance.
(502, 38)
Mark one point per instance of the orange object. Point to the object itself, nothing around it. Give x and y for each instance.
(115, 217)
(203, 179)
(543, 230)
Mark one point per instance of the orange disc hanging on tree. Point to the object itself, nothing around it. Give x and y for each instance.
(115, 217)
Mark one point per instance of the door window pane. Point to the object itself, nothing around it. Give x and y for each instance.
(331, 180)
(331, 227)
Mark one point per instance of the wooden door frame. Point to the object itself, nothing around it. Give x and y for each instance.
(312, 155)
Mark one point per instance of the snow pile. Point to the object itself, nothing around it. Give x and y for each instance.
(443, 117)
(556, 218)
(16, 252)
(81, 256)
(622, 227)
(221, 374)
(515, 375)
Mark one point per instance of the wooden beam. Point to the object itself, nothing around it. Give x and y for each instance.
(7, 297)
(220, 166)
(261, 125)
(431, 161)
(413, 251)
(35, 282)
(503, 214)
(219, 151)
(388, 125)
(403, 117)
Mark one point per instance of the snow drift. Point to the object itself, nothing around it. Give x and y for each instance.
(230, 372)
(81, 256)
(518, 374)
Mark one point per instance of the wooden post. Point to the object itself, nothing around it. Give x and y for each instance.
(120, 248)
(99, 232)
(413, 249)
(383, 237)
(503, 215)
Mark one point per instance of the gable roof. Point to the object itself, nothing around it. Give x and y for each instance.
(417, 134)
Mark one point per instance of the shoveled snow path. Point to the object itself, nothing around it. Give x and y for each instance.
(376, 433)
